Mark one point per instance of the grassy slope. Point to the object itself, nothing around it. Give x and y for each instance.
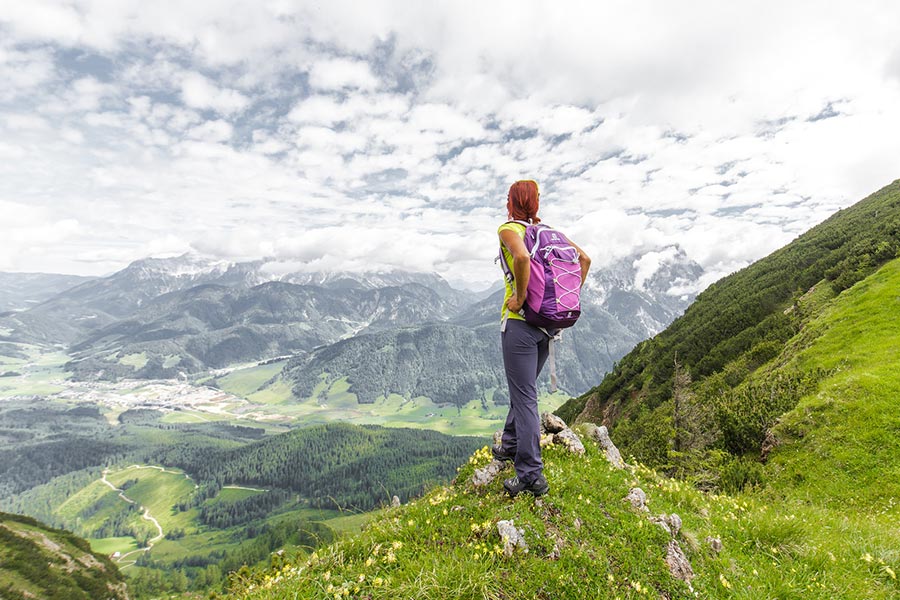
(824, 526)
(39, 562)
(746, 307)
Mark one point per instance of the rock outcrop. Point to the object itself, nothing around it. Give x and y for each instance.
(601, 436)
(511, 537)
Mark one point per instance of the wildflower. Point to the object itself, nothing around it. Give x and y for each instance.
(370, 561)
(867, 557)
(725, 583)
(397, 545)
(890, 572)
(378, 581)
(362, 577)
(390, 557)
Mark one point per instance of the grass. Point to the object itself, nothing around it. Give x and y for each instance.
(586, 541)
(823, 525)
(158, 491)
(41, 373)
(112, 545)
(137, 360)
(234, 495)
(245, 382)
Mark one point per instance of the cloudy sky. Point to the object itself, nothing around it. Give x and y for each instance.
(355, 135)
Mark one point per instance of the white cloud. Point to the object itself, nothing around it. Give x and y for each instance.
(200, 92)
(238, 124)
(212, 131)
(341, 73)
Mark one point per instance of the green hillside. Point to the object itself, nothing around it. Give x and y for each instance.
(178, 507)
(39, 562)
(786, 447)
(336, 465)
(734, 327)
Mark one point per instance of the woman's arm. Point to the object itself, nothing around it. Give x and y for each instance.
(521, 267)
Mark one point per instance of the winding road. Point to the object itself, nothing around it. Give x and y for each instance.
(146, 516)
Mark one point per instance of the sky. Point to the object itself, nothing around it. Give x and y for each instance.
(378, 135)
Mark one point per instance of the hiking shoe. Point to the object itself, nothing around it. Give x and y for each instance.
(537, 487)
(502, 455)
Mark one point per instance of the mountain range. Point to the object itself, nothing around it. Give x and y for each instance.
(166, 318)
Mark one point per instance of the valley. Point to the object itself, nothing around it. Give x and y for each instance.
(253, 395)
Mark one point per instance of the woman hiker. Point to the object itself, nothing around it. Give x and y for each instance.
(525, 347)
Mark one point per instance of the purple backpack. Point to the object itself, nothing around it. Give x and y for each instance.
(553, 300)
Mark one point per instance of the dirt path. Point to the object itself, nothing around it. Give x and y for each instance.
(146, 516)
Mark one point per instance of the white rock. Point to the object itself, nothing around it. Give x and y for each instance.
(638, 498)
(551, 423)
(601, 436)
(484, 476)
(678, 563)
(567, 438)
(511, 537)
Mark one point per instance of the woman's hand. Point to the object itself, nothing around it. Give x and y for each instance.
(514, 304)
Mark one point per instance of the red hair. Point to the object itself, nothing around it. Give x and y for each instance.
(522, 201)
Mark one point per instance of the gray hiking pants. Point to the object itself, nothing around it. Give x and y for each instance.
(525, 350)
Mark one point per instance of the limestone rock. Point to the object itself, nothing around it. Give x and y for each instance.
(638, 498)
(551, 423)
(671, 523)
(395, 501)
(675, 523)
(678, 563)
(567, 438)
(601, 436)
(484, 476)
(511, 537)
(714, 543)
(498, 437)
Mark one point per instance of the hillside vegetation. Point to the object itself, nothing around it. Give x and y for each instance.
(181, 506)
(335, 465)
(39, 562)
(734, 327)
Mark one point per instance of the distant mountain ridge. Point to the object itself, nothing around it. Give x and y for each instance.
(165, 318)
(21, 291)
